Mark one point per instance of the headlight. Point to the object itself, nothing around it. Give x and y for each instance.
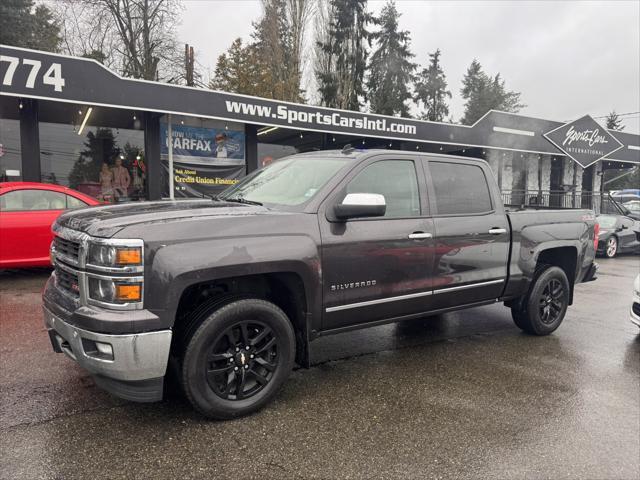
(114, 291)
(114, 256)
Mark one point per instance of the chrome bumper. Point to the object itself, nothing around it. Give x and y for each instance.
(135, 357)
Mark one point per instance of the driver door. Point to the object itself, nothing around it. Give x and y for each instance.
(379, 267)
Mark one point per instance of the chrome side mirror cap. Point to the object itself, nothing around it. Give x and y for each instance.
(359, 205)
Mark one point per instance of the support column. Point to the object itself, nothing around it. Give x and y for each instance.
(251, 142)
(30, 141)
(155, 175)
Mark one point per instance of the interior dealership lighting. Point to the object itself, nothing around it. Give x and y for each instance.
(267, 130)
(84, 121)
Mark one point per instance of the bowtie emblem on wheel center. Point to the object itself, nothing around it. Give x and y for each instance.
(242, 357)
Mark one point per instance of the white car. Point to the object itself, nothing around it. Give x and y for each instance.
(635, 306)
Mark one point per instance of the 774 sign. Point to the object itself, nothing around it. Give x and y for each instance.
(53, 75)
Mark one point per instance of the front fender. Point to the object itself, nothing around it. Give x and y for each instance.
(179, 266)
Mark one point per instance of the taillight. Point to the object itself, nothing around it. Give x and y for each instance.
(596, 232)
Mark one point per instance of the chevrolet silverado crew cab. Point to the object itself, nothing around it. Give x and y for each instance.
(228, 293)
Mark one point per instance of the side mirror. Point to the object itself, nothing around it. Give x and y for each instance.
(357, 205)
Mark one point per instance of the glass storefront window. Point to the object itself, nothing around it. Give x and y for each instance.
(10, 151)
(106, 162)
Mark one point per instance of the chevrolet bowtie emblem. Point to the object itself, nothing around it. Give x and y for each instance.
(242, 358)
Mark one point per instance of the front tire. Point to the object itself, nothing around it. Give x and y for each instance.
(543, 309)
(238, 358)
(611, 247)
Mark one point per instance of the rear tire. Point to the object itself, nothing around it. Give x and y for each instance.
(543, 309)
(237, 359)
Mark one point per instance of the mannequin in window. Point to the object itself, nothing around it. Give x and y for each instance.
(106, 183)
(121, 179)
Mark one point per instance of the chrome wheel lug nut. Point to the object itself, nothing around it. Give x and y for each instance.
(251, 356)
(237, 349)
(235, 369)
(247, 347)
(246, 366)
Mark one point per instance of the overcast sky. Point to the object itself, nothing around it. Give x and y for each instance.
(567, 58)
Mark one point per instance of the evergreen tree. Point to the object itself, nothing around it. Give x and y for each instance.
(269, 66)
(431, 90)
(273, 43)
(614, 122)
(237, 71)
(391, 69)
(340, 83)
(483, 93)
(22, 25)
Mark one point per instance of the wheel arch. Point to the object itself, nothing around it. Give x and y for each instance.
(566, 258)
(285, 289)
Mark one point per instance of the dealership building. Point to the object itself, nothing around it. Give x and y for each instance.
(71, 121)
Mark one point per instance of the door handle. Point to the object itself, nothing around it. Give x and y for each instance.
(497, 231)
(419, 235)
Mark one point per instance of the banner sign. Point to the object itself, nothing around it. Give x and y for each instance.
(584, 140)
(191, 180)
(205, 160)
(208, 146)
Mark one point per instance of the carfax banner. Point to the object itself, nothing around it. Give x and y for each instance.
(205, 160)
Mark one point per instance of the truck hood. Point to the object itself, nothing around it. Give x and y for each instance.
(106, 221)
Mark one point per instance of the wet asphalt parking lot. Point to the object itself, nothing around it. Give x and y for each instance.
(463, 395)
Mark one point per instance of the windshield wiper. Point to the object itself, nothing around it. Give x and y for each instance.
(240, 200)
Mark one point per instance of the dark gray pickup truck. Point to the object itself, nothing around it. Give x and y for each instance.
(228, 293)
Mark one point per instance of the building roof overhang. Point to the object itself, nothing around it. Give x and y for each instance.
(42, 75)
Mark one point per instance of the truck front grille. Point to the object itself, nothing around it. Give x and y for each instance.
(67, 281)
(67, 248)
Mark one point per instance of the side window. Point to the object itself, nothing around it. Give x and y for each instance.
(33, 200)
(396, 180)
(459, 188)
(73, 202)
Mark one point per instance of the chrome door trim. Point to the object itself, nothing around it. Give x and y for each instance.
(378, 301)
(497, 231)
(409, 296)
(464, 287)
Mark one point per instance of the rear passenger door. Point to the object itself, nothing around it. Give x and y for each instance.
(472, 233)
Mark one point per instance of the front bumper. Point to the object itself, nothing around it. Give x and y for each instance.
(634, 313)
(136, 367)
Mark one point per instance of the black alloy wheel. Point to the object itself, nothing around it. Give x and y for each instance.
(542, 310)
(551, 302)
(242, 360)
(237, 358)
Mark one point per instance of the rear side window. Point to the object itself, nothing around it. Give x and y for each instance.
(32, 200)
(73, 202)
(459, 188)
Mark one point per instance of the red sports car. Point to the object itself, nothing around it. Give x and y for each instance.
(27, 211)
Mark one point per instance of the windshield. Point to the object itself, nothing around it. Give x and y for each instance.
(607, 221)
(290, 181)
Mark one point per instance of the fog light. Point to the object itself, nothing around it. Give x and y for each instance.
(104, 349)
(99, 350)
